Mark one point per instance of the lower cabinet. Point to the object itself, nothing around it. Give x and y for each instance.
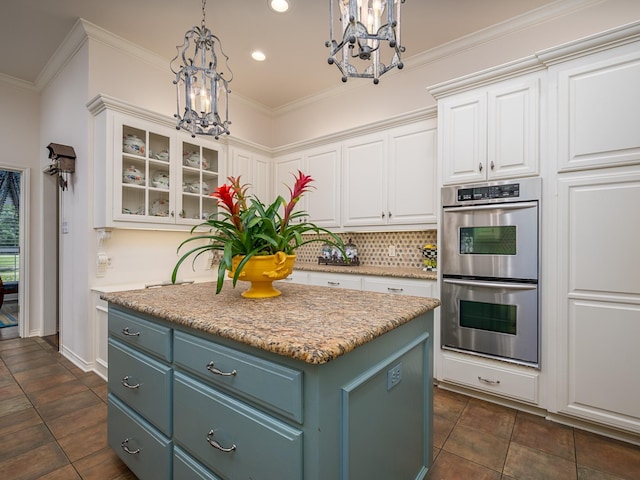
(203, 407)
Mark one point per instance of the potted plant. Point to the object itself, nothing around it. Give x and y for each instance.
(246, 229)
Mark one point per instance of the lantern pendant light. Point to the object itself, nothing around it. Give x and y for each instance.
(370, 32)
(202, 88)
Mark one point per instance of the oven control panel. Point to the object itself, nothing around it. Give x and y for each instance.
(511, 190)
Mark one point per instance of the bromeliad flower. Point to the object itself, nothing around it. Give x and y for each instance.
(247, 227)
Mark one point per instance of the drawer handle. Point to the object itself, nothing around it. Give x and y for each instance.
(125, 447)
(125, 383)
(333, 284)
(215, 444)
(396, 290)
(490, 382)
(126, 331)
(215, 371)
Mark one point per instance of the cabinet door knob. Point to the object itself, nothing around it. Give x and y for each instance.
(389, 214)
(215, 371)
(480, 166)
(382, 214)
(215, 444)
(492, 165)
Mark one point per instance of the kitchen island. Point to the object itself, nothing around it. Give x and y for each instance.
(316, 383)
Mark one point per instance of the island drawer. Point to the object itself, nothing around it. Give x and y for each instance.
(146, 452)
(265, 383)
(257, 446)
(135, 331)
(186, 468)
(142, 383)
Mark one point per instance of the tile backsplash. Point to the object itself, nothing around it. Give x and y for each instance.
(373, 248)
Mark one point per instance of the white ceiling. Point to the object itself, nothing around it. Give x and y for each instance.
(296, 65)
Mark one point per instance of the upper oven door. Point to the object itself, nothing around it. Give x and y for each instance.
(496, 240)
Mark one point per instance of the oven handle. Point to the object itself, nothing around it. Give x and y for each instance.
(476, 283)
(492, 206)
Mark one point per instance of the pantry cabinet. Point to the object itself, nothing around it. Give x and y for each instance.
(390, 177)
(490, 132)
(147, 174)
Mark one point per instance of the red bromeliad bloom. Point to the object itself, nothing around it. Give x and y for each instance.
(301, 186)
(231, 198)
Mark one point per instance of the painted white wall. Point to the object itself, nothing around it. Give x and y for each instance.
(18, 128)
(64, 120)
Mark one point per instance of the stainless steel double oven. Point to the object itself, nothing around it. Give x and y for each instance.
(489, 259)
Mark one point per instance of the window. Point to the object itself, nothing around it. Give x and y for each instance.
(9, 225)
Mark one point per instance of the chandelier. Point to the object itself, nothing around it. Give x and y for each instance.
(365, 26)
(202, 90)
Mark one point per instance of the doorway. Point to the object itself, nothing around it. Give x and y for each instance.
(11, 215)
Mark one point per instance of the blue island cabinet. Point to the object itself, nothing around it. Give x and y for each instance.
(185, 404)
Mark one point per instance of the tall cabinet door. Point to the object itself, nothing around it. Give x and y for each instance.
(364, 173)
(599, 312)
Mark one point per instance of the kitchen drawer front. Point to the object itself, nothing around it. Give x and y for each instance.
(186, 468)
(264, 447)
(417, 288)
(340, 280)
(506, 381)
(127, 430)
(139, 333)
(268, 384)
(149, 384)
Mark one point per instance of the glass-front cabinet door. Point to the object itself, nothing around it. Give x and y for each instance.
(199, 177)
(143, 175)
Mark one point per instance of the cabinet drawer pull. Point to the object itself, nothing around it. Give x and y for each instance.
(126, 331)
(125, 447)
(215, 444)
(333, 284)
(480, 167)
(395, 289)
(490, 382)
(493, 166)
(215, 371)
(125, 383)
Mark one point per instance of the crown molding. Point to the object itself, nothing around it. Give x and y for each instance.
(16, 82)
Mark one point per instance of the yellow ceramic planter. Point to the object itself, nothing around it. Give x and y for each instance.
(262, 271)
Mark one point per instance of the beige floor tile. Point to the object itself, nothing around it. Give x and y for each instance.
(451, 467)
(479, 447)
(607, 455)
(526, 463)
(539, 433)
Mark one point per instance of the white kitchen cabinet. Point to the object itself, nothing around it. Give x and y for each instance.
(322, 203)
(598, 312)
(254, 169)
(399, 286)
(598, 109)
(335, 280)
(148, 175)
(284, 169)
(390, 177)
(491, 132)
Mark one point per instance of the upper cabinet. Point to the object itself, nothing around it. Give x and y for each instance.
(147, 174)
(490, 132)
(390, 177)
(322, 164)
(253, 168)
(598, 109)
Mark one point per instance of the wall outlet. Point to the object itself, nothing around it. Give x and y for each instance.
(394, 375)
(392, 250)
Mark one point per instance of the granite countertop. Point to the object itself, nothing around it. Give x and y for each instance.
(308, 323)
(396, 272)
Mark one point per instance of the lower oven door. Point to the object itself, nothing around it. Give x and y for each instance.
(495, 319)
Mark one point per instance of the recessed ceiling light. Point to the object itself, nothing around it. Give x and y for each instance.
(258, 56)
(279, 6)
